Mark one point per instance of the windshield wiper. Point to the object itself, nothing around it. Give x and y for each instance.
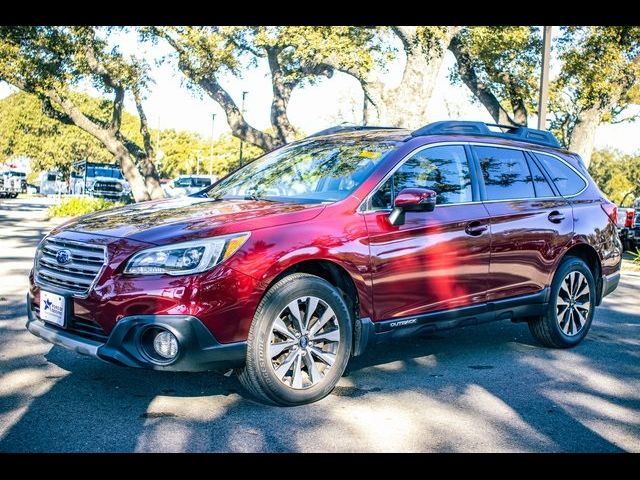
(256, 197)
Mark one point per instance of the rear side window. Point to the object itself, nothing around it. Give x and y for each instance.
(567, 181)
(543, 189)
(506, 173)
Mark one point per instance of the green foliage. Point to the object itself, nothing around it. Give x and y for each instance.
(26, 130)
(75, 206)
(506, 60)
(211, 50)
(183, 149)
(617, 175)
(600, 68)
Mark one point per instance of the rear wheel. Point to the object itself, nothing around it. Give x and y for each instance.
(571, 306)
(299, 342)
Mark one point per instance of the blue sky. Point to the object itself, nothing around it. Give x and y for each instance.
(170, 104)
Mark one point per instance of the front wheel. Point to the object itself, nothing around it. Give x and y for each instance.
(571, 306)
(299, 342)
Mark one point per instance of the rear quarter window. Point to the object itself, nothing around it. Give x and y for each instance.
(565, 178)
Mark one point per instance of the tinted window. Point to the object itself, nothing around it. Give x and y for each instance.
(543, 189)
(51, 177)
(506, 173)
(442, 169)
(567, 181)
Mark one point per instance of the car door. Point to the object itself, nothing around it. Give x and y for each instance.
(530, 222)
(436, 260)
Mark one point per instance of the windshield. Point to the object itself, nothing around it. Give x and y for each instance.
(307, 171)
(103, 172)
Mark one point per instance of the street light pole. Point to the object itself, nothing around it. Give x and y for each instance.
(242, 112)
(213, 120)
(544, 79)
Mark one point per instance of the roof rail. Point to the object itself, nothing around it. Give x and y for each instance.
(349, 128)
(456, 127)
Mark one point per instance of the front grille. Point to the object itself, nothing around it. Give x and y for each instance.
(107, 187)
(76, 276)
(80, 327)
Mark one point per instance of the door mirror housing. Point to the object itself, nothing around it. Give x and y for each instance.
(412, 200)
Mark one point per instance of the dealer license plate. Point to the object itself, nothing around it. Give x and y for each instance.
(52, 308)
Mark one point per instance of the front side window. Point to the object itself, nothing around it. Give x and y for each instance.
(568, 182)
(309, 171)
(444, 170)
(506, 173)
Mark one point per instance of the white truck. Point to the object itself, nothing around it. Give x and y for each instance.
(103, 180)
(12, 182)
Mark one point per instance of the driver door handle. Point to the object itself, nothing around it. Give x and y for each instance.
(476, 228)
(556, 216)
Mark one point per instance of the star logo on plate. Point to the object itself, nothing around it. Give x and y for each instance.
(47, 304)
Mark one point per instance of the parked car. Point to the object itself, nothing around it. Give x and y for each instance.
(625, 227)
(314, 252)
(103, 180)
(52, 183)
(184, 185)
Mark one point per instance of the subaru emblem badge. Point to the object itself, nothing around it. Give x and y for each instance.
(63, 256)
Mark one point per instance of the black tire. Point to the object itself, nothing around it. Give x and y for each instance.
(258, 375)
(546, 329)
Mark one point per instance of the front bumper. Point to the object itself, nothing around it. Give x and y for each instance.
(199, 350)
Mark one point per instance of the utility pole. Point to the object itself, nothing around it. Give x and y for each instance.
(544, 79)
(213, 120)
(242, 112)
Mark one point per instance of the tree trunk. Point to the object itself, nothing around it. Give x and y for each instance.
(407, 104)
(110, 140)
(147, 167)
(584, 132)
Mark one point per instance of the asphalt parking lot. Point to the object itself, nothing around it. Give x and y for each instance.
(485, 388)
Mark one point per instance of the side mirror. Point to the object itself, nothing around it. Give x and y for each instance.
(412, 200)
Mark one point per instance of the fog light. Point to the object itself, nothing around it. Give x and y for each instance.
(166, 345)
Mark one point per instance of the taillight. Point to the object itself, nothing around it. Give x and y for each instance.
(611, 210)
(628, 222)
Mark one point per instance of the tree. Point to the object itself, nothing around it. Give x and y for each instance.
(52, 145)
(48, 61)
(616, 174)
(498, 65)
(183, 149)
(598, 80)
(299, 55)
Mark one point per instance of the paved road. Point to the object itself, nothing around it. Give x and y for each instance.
(485, 388)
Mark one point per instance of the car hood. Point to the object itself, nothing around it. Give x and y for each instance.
(186, 218)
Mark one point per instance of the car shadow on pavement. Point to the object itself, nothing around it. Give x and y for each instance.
(446, 392)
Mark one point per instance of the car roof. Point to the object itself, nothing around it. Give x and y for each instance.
(402, 135)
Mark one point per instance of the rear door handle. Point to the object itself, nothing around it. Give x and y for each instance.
(476, 228)
(556, 217)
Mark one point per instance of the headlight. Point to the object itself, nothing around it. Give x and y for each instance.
(185, 258)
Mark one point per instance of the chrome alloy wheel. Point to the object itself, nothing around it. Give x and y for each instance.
(573, 303)
(304, 341)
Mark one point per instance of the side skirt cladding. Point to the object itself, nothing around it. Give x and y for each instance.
(369, 333)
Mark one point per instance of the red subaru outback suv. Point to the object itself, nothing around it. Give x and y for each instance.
(301, 259)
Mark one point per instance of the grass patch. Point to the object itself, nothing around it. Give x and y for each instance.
(76, 206)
